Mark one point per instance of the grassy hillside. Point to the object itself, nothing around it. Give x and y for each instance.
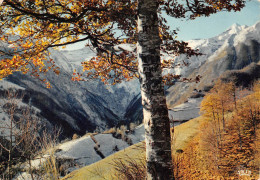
(221, 144)
(104, 169)
(228, 143)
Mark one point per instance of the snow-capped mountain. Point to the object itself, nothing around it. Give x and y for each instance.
(227, 43)
(233, 49)
(85, 106)
(238, 48)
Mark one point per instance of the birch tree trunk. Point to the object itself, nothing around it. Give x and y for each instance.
(156, 119)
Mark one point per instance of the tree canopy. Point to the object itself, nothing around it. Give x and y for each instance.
(31, 27)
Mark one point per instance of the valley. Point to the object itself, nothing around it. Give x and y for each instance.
(90, 108)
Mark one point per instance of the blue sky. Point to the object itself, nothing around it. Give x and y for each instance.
(206, 27)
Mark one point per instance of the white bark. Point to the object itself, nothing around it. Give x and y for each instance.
(156, 120)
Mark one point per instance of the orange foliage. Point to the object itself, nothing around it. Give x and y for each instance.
(30, 28)
(232, 153)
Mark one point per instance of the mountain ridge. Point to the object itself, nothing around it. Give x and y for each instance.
(86, 106)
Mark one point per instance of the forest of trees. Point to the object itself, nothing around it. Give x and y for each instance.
(228, 143)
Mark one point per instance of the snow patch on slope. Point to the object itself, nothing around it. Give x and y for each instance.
(82, 150)
(214, 48)
(187, 110)
(248, 33)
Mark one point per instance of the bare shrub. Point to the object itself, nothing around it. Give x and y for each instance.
(19, 134)
(49, 166)
(23, 139)
(75, 136)
(132, 127)
(110, 131)
(130, 168)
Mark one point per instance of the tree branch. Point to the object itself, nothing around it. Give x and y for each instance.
(51, 17)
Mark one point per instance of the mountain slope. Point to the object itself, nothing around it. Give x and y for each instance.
(85, 106)
(104, 167)
(76, 107)
(234, 49)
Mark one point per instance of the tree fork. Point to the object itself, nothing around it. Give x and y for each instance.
(156, 119)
